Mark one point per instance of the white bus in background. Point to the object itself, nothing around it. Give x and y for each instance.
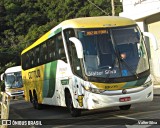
(12, 79)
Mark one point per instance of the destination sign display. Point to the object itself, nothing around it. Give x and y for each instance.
(96, 32)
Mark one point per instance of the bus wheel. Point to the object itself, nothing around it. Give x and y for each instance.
(74, 112)
(35, 103)
(125, 107)
(30, 96)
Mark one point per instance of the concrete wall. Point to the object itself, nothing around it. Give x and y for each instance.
(139, 9)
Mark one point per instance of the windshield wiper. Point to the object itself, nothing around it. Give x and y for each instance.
(129, 67)
(120, 60)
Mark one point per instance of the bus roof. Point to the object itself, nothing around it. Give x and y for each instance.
(84, 22)
(96, 22)
(13, 69)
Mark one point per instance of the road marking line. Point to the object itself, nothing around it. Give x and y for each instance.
(143, 112)
(137, 125)
(126, 117)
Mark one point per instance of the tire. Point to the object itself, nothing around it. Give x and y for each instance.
(69, 103)
(35, 103)
(125, 107)
(30, 97)
(13, 97)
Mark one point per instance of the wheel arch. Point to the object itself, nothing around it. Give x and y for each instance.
(30, 96)
(66, 90)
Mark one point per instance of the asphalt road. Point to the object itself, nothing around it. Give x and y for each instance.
(142, 115)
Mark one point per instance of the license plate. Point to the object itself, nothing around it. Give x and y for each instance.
(124, 99)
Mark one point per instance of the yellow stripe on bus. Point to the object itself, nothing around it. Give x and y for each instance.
(107, 86)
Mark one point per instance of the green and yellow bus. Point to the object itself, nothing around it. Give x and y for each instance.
(80, 64)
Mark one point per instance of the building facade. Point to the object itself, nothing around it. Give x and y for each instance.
(147, 15)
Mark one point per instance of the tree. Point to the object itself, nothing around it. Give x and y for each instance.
(23, 21)
(2, 19)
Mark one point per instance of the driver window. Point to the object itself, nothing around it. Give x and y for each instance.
(74, 61)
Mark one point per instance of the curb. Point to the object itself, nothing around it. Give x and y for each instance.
(156, 90)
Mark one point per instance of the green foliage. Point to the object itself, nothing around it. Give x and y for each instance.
(23, 21)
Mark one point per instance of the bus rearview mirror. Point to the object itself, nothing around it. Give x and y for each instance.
(78, 46)
(152, 38)
(2, 76)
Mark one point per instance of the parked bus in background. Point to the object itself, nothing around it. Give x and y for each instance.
(12, 79)
(79, 64)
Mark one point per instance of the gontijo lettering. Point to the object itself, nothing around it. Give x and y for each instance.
(34, 74)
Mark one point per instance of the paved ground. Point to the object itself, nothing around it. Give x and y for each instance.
(157, 90)
(59, 117)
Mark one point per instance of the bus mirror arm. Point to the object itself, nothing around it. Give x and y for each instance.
(153, 39)
(2, 77)
(78, 46)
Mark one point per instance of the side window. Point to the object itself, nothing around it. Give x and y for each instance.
(75, 62)
(69, 33)
(43, 53)
(32, 58)
(28, 61)
(60, 48)
(51, 49)
(24, 61)
(37, 56)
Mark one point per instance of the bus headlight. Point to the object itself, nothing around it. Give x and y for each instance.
(147, 84)
(93, 90)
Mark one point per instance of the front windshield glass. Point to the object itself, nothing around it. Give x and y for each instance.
(13, 80)
(113, 52)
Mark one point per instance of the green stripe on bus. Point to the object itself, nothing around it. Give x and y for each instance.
(55, 32)
(49, 79)
(135, 83)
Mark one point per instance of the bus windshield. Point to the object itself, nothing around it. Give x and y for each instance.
(13, 80)
(113, 52)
